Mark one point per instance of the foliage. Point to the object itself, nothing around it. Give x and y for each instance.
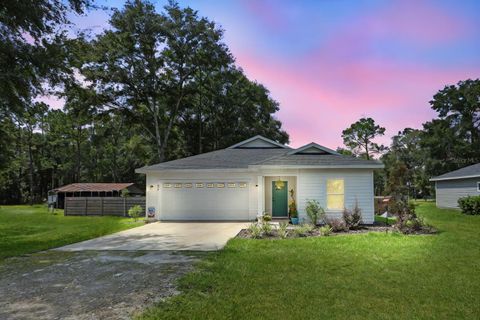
(135, 212)
(314, 211)
(267, 228)
(255, 230)
(404, 172)
(125, 193)
(407, 220)
(303, 229)
(336, 224)
(27, 229)
(130, 100)
(326, 230)
(266, 217)
(470, 205)
(360, 135)
(178, 80)
(292, 206)
(282, 229)
(353, 217)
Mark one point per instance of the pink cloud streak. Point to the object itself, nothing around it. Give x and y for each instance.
(344, 78)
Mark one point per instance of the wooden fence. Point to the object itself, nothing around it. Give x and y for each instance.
(101, 206)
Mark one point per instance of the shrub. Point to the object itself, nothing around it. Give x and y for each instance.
(337, 225)
(282, 229)
(135, 212)
(292, 206)
(266, 217)
(303, 230)
(325, 230)
(255, 230)
(314, 211)
(470, 205)
(352, 218)
(267, 228)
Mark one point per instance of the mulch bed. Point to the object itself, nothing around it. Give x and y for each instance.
(245, 233)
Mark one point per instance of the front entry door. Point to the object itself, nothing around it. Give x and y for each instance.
(280, 199)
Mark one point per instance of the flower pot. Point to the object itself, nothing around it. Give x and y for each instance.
(294, 221)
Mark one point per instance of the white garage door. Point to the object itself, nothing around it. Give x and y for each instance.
(205, 201)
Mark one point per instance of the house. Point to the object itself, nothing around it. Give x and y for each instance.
(255, 176)
(456, 184)
(57, 196)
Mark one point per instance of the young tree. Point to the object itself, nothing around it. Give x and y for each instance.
(359, 137)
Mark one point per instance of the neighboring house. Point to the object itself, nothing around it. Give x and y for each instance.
(456, 184)
(57, 196)
(255, 176)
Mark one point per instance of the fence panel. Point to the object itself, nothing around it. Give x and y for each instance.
(99, 206)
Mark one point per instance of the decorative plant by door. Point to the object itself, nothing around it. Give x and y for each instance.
(292, 206)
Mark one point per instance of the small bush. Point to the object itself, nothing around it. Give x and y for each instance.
(337, 225)
(292, 206)
(352, 218)
(314, 211)
(267, 228)
(470, 205)
(282, 230)
(135, 212)
(303, 230)
(266, 217)
(325, 230)
(255, 230)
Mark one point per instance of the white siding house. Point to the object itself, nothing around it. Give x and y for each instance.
(256, 176)
(457, 184)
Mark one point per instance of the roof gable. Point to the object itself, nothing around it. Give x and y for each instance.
(313, 148)
(258, 142)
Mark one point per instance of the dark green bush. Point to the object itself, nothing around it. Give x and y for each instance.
(470, 205)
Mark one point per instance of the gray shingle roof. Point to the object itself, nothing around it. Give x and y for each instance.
(220, 159)
(470, 171)
(318, 160)
(243, 158)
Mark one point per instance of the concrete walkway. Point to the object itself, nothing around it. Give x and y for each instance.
(197, 236)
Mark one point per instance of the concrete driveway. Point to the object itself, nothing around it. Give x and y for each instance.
(195, 236)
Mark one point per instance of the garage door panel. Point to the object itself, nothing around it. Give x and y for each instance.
(205, 203)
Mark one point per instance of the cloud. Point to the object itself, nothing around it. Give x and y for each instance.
(349, 74)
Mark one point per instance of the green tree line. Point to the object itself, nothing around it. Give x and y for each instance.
(153, 86)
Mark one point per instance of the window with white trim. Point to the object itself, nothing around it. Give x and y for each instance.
(335, 194)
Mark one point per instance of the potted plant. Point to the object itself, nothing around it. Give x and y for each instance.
(292, 209)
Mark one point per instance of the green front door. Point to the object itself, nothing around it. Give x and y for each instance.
(280, 200)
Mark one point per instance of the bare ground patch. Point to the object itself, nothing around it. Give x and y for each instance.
(88, 284)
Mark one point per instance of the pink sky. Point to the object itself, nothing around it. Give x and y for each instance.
(329, 63)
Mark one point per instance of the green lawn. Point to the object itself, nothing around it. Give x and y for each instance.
(381, 219)
(365, 276)
(27, 229)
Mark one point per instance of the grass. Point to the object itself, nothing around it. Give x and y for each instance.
(26, 229)
(381, 219)
(364, 276)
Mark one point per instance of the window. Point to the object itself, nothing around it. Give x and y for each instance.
(478, 186)
(177, 185)
(210, 185)
(220, 185)
(242, 184)
(187, 185)
(335, 194)
(198, 185)
(167, 185)
(232, 185)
